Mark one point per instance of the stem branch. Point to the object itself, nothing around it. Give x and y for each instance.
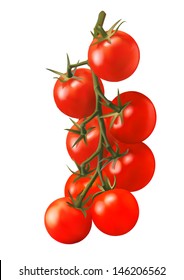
(85, 62)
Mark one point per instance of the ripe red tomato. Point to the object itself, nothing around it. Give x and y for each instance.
(134, 170)
(116, 60)
(75, 187)
(83, 150)
(115, 212)
(76, 97)
(138, 118)
(66, 224)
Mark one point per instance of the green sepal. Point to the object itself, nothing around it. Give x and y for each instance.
(96, 194)
(85, 201)
(111, 32)
(81, 209)
(55, 72)
(72, 130)
(72, 199)
(75, 124)
(73, 172)
(116, 114)
(107, 184)
(102, 35)
(80, 131)
(108, 115)
(74, 202)
(81, 137)
(83, 171)
(114, 158)
(90, 129)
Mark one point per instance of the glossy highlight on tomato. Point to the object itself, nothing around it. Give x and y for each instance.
(115, 60)
(115, 212)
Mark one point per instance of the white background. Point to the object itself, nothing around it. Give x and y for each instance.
(33, 158)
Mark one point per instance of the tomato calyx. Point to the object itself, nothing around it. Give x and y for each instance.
(83, 171)
(114, 157)
(116, 115)
(81, 131)
(79, 204)
(80, 201)
(101, 35)
(117, 110)
(62, 76)
(70, 73)
(106, 186)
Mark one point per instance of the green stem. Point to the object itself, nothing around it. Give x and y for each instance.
(97, 173)
(69, 71)
(100, 21)
(88, 186)
(102, 31)
(90, 158)
(109, 103)
(99, 95)
(103, 140)
(90, 118)
(85, 62)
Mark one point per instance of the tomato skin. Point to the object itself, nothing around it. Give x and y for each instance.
(139, 118)
(66, 224)
(115, 212)
(75, 187)
(134, 170)
(114, 61)
(82, 151)
(76, 98)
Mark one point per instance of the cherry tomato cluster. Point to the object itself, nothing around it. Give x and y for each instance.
(105, 142)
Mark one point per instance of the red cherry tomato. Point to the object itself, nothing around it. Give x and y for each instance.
(115, 212)
(115, 60)
(66, 224)
(76, 96)
(134, 170)
(138, 118)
